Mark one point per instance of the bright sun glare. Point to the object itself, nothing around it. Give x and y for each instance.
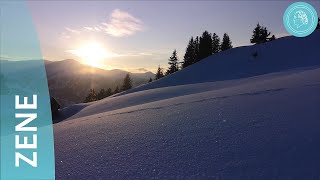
(92, 54)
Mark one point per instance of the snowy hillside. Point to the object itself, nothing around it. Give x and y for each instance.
(224, 69)
(227, 117)
(282, 54)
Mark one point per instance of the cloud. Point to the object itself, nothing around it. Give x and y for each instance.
(119, 24)
(142, 70)
(135, 54)
(72, 30)
(88, 28)
(122, 24)
(145, 54)
(64, 35)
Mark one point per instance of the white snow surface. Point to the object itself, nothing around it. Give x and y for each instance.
(249, 126)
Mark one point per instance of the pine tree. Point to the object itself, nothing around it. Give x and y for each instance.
(261, 35)
(150, 80)
(226, 42)
(190, 55)
(272, 38)
(173, 63)
(108, 92)
(159, 73)
(205, 45)
(196, 46)
(265, 35)
(127, 83)
(256, 37)
(91, 96)
(101, 94)
(116, 90)
(215, 43)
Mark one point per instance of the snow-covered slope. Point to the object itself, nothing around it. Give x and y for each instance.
(268, 129)
(258, 127)
(151, 95)
(282, 54)
(224, 69)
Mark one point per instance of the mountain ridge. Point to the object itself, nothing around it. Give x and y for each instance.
(69, 81)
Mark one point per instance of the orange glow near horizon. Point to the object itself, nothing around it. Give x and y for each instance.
(92, 54)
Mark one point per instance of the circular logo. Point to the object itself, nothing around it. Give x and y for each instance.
(300, 19)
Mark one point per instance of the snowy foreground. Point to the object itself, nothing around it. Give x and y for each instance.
(252, 127)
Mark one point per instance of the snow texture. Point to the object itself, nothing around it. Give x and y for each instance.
(233, 123)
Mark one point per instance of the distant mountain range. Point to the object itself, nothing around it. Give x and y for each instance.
(70, 81)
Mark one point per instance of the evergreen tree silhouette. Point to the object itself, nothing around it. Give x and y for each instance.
(108, 92)
(150, 80)
(127, 83)
(91, 96)
(116, 90)
(272, 38)
(205, 45)
(173, 63)
(190, 55)
(265, 34)
(101, 94)
(159, 73)
(256, 37)
(215, 43)
(261, 35)
(226, 42)
(196, 51)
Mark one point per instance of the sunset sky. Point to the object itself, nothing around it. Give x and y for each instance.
(140, 35)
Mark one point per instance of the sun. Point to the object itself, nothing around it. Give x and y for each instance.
(92, 54)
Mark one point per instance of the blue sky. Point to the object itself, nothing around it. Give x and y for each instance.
(143, 34)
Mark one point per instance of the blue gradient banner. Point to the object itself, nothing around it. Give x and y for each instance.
(27, 149)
